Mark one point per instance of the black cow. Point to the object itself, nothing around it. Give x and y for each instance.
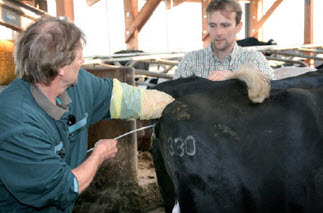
(141, 65)
(319, 66)
(215, 151)
(251, 41)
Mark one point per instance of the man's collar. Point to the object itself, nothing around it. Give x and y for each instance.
(209, 49)
(234, 51)
(51, 109)
(231, 55)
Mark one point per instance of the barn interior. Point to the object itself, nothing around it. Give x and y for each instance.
(128, 183)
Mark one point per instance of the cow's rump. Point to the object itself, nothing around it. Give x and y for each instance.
(215, 151)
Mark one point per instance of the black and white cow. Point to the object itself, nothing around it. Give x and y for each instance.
(215, 151)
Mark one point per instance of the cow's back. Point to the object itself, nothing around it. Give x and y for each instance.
(224, 154)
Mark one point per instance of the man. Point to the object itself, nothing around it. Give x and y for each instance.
(45, 115)
(223, 56)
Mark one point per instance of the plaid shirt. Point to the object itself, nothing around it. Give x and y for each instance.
(202, 62)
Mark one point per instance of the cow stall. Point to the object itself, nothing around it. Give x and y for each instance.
(126, 183)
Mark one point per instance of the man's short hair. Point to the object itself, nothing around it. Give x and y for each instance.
(45, 46)
(225, 5)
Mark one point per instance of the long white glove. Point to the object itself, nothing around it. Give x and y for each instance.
(128, 102)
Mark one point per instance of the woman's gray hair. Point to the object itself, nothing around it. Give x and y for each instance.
(225, 5)
(44, 47)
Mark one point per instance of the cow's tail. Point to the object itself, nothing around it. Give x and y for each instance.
(258, 83)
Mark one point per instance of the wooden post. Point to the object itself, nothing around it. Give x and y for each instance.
(264, 18)
(42, 5)
(308, 28)
(205, 28)
(141, 19)
(130, 13)
(253, 18)
(65, 8)
(32, 3)
(308, 22)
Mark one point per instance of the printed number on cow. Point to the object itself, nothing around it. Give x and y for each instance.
(180, 147)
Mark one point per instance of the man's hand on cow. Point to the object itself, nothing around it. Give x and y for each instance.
(105, 149)
(219, 75)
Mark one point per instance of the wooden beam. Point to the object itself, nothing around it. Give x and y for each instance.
(42, 5)
(65, 8)
(142, 17)
(308, 28)
(205, 31)
(91, 2)
(130, 13)
(30, 2)
(308, 22)
(254, 7)
(258, 24)
(17, 15)
(25, 7)
(173, 3)
(178, 2)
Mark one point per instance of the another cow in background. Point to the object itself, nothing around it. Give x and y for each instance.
(251, 41)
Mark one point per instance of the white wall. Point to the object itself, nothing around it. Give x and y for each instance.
(103, 25)
(286, 24)
(178, 29)
(5, 33)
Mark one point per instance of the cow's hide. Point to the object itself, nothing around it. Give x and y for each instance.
(215, 151)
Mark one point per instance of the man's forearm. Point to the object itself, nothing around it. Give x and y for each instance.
(85, 172)
(104, 149)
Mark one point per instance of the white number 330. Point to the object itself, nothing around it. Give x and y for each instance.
(180, 147)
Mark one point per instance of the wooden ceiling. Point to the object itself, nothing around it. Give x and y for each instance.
(135, 20)
(17, 15)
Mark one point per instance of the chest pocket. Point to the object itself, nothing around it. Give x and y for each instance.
(75, 130)
(60, 150)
